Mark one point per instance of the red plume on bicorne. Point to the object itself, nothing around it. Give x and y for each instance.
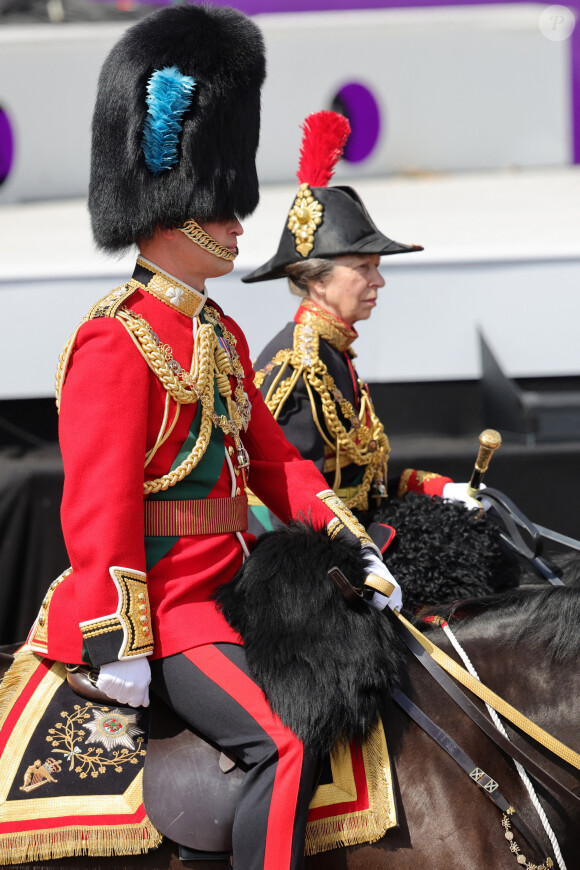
(325, 135)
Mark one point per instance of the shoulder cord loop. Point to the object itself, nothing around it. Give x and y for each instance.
(210, 364)
(316, 377)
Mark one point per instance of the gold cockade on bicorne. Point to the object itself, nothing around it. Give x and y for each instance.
(304, 218)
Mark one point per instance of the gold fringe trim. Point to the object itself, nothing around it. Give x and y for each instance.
(77, 840)
(43, 845)
(364, 826)
(24, 665)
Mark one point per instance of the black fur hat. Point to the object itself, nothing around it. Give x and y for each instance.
(219, 54)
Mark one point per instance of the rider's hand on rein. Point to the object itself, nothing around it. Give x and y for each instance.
(386, 592)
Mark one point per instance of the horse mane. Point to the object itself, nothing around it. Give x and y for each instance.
(547, 615)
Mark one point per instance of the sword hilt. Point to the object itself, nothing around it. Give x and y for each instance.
(489, 440)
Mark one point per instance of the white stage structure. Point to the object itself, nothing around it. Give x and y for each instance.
(453, 88)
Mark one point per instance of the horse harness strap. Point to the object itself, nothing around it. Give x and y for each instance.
(442, 660)
(487, 785)
(512, 520)
(425, 652)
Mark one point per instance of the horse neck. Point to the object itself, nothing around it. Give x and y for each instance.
(520, 667)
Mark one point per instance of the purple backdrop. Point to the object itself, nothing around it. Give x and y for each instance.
(253, 7)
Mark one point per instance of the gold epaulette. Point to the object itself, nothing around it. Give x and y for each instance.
(364, 444)
(110, 304)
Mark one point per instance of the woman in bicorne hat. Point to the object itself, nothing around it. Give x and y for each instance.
(330, 252)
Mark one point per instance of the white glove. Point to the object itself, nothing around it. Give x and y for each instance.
(458, 492)
(126, 681)
(395, 598)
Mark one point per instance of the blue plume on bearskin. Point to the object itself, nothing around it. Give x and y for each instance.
(326, 667)
(169, 95)
(214, 178)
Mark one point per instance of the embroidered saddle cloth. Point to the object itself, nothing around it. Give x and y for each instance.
(71, 776)
(70, 770)
(354, 801)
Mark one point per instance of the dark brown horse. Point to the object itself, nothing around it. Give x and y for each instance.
(526, 647)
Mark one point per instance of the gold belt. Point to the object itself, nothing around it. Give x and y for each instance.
(347, 492)
(330, 463)
(207, 516)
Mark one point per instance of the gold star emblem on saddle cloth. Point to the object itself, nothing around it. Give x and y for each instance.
(113, 728)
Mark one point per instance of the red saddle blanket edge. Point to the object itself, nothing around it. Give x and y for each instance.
(357, 806)
(38, 828)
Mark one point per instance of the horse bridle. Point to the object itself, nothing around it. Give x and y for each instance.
(522, 536)
(487, 785)
(405, 632)
(483, 780)
(485, 725)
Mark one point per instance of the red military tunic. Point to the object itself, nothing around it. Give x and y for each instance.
(129, 593)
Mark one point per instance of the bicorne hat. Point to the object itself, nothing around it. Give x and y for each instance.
(325, 221)
(176, 124)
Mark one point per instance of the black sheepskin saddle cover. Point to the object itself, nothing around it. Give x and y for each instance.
(443, 551)
(326, 666)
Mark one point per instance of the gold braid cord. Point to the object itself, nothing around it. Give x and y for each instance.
(211, 365)
(62, 366)
(365, 444)
(198, 235)
(499, 705)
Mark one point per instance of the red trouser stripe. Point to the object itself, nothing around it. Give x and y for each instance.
(218, 668)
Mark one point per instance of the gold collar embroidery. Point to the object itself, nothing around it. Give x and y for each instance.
(176, 294)
(329, 327)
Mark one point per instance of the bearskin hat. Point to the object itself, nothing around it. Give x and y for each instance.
(176, 124)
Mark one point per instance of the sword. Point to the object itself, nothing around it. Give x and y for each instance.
(489, 441)
(502, 509)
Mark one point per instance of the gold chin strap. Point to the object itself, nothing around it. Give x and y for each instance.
(194, 232)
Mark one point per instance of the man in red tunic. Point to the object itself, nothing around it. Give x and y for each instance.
(161, 426)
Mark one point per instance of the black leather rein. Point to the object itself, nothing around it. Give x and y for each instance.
(485, 724)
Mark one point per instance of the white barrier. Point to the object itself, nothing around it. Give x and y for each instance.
(502, 250)
(455, 88)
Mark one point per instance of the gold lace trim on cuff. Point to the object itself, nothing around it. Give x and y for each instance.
(345, 519)
(420, 477)
(132, 617)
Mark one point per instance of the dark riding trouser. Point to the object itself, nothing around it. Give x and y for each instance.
(210, 688)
